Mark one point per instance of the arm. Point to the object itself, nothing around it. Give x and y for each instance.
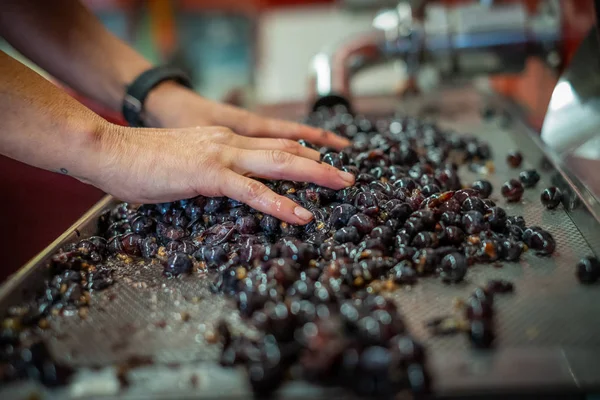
(65, 39)
(44, 127)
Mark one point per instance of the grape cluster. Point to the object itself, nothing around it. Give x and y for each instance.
(318, 293)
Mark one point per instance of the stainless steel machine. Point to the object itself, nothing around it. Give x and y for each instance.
(548, 335)
(460, 42)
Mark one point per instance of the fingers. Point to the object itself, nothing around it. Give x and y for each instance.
(261, 198)
(295, 131)
(275, 164)
(287, 145)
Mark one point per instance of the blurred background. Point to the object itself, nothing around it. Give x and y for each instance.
(252, 53)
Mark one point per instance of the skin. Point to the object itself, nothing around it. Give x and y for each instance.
(197, 147)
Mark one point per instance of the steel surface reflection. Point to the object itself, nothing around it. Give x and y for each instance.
(573, 117)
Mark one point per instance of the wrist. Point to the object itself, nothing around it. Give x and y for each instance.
(167, 104)
(98, 151)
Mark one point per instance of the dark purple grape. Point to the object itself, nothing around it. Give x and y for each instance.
(365, 200)
(333, 159)
(404, 252)
(213, 256)
(214, 205)
(195, 208)
(172, 232)
(516, 220)
(473, 222)
(99, 244)
(588, 270)
(397, 210)
(451, 205)
(425, 261)
(412, 226)
(246, 224)
(481, 333)
(473, 204)
(453, 268)
(551, 197)
(175, 217)
(496, 218)
(529, 178)
(130, 244)
(341, 215)
(463, 194)
(425, 239)
(511, 250)
(415, 200)
(483, 187)
(149, 247)
(347, 234)
(325, 194)
(489, 204)
(406, 183)
(143, 225)
(348, 194)
(269, 224)
(542, 241)
(478, 309)
(515, 232)
(362, 223)
(427, 217)
(178, 263)
(451, 218)
(514, 159)
(512, 190)
(528, 233)
(403, 273)
(384, 233)
(429, 190)
(452, 235)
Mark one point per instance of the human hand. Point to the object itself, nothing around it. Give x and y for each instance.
(173, 106)
(161, 165)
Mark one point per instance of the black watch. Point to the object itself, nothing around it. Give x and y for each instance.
(138, 90)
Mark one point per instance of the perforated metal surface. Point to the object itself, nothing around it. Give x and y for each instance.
(550, 307)
(549, 318)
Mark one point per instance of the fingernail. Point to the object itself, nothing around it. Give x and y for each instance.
(303, 213)
(347, 177)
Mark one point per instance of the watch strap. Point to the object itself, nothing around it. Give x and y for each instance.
(138, 90)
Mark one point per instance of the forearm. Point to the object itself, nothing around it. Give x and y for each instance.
(44, 127)
(65, 39)
(69, 42)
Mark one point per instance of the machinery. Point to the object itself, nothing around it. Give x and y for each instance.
(548, 340)
(458, 42)
(437, 43)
